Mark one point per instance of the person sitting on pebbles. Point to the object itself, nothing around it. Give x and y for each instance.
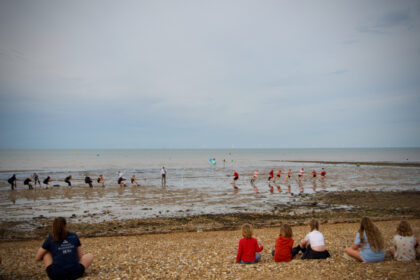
(62, 253)
(370, 242)
(248, 247)
(313, 246)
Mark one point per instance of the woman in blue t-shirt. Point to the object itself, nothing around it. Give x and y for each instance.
(62, 253)
(370, 242)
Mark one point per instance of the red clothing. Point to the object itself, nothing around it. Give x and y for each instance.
(247, 249)
(283, 252)
(271, 173)
(323, 173)
(313, 172)
(235, 174)
(279, 173)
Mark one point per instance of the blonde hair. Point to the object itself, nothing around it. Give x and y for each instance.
(374, 236)
(286, 231)
(247, 231)
(404, 229)
(314, 225)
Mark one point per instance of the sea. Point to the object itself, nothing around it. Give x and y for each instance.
(199, 181)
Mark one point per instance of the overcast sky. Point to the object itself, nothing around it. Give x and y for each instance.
(209, 74)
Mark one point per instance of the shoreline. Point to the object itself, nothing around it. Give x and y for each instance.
(329, 208)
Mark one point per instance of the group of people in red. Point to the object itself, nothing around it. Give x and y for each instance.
(273, 179)
(368, 247)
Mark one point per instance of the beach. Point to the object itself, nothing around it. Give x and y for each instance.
(211, 255)
(204, 247)
(190, 228)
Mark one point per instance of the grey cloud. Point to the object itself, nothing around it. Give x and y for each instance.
(385, 23)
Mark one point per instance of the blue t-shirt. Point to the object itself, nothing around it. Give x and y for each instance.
(64, 253)
(367, 254)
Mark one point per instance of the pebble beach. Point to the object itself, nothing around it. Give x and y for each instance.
(211, 255)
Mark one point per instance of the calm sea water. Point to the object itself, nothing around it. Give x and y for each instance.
(194, 185)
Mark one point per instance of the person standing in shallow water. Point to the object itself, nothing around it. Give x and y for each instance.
(68, 180)
(88, 181)
(101, 180)
(36, 179)
(163, 176)
(62, 253)
(28, 182)
(12, 181)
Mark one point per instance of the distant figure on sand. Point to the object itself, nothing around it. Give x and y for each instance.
(101, 180)
(163, 176)
(88, 181)
(301, 171)
(12, 181)
(253, 179)
(270, 175)
(314, 173)
(68, 180)
(134, 180)
(62, 253)
(323, 173)
(248, 247)
(235, 178)
(121, 180)
(278, 175)
(36, 179)
(28, 182)
(47, 182)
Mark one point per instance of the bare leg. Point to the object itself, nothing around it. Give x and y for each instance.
(353, 253)
(86, 260)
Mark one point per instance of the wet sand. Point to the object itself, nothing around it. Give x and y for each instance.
(328, 207)
(203, 255)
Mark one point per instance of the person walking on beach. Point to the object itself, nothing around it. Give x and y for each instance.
(314, 173)
(323, 173)
(28, 182)
(163, 176)
(88, 181)
(12, 181)
(278, 176)
(270, 175)
(289, 174)
(47, 182)
(253, 179)
(300, 175)
(36, 179)
(235, 178)
(62, 253)
(68, 180)
(101, 180)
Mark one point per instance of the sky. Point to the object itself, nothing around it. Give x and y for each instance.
(209, 74)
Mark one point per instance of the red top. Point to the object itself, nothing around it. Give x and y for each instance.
(283, 252)
(247, 249)
(235, 174)
(314, 172)
(271, 173)
(323, 173)
(279, 173)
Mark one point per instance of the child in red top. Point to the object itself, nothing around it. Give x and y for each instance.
(248, 247)
(284, 245)
(271, 175)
